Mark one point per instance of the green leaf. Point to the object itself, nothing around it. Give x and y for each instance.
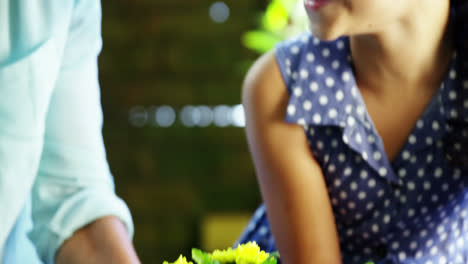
(201, 257)
(276, 17)
(260, 41)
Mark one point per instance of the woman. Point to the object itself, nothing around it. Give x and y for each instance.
(367, 166)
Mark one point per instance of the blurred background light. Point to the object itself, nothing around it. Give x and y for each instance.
(222, 115)
(238, 116)
(219, 12)
(206, 116)
(188, 117)
(138, 116)
(165, 116)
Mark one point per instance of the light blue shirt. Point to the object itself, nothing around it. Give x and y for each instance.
(54, 177)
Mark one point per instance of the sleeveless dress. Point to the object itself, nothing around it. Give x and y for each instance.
(411, 210)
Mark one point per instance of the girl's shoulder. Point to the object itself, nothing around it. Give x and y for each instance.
(319, 78)
(306, 57)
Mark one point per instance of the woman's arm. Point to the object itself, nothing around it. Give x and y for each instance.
(291, 181)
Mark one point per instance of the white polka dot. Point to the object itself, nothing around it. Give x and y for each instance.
(333, 113)
(420, 124)
(406, 155)
(429, 141)
(341, 157)
(412, 139)
(345, 139)
(454, 113)
(442, 260)
(343, 195)
(337, 182)
(331, 168)
(319, 69)
(335, 64)
(371, 139)
(377, 155)
(371, 183)
(386, 219)
(346, 76)
(435, 126)
(353, 186)
(310, 57)
(339, 96)
(304, 74)
(427, 185)
(438, 172)
(326, 53)
(411, 186)
(317, 119)
(453, 95)
(421, 172)
(395, 245)
(313, 86)
(348, 171)
(294, 49)
(340, 44)
(354, 91)
(375, 228)
(402, 256)
(429, 243)
(402, 172)
(348, 109)
(323, 100)
(301, 121)
(297, 91)
(358, 138)
(364, 155)
(307, 105)
(320, 145)
(453, 74)
(291, 110)
(360, 110)
(362, 195)
(413, 245)
(364, 174)
(383, 171)
(351, 121)
(380, 193)
(329, 82)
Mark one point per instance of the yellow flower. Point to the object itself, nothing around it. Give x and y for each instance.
(180, 260)
(228, 255)
(249, 253)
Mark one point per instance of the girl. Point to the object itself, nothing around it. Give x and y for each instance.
(356, 131)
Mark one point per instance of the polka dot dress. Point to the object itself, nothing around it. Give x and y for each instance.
(411, 210)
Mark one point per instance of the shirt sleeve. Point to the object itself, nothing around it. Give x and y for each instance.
(74, 185)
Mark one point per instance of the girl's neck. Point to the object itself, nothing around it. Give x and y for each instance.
(407, 56)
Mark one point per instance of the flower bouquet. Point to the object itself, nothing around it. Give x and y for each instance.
(249, 253)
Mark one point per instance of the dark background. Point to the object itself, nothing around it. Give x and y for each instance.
(170, 52)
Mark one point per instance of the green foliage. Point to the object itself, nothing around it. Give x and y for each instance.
(282, 19)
